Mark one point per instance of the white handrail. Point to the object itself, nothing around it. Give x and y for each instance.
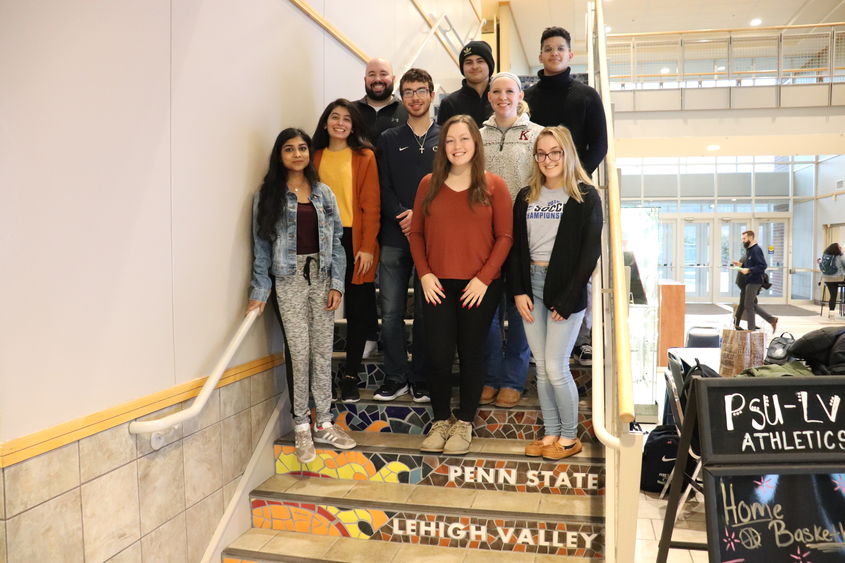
(604, 436)
(170, 421)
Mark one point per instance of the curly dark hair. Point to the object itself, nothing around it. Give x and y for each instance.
(271, 202)
(834, 249)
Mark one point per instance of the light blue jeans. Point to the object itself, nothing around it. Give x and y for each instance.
(551, 343)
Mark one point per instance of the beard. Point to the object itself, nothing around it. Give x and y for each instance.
(379, 97)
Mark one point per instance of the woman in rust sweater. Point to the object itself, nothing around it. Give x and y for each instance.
(346, 163)
(460, 237)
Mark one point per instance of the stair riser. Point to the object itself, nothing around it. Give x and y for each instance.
(489, 422)
(430, 528)
(530, 476)
(372, 376)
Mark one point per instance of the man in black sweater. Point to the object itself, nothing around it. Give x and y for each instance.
(405, 155)
(557, 99)
(751, 271)
(379, 107)
(476, 60)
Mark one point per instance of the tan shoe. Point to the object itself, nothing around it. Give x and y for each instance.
(488, 394)
(507, 398)
(557, 452)
(535, 448)
(436, 437)
(460, 438)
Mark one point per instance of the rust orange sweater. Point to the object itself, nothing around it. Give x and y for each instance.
(458, 242)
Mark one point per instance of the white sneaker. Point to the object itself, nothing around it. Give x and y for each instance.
(305, 452)
(369, 348)
(331, 434)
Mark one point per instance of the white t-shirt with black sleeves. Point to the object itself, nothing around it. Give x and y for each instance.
(542, 218)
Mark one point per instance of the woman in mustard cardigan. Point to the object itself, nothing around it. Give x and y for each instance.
(346, 163)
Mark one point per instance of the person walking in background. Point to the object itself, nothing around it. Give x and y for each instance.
(405, 155)
(751, 270)
(832, 266)
(508, 137)
(296, 234)
(476, 62)
(460, 237)
(557, 242)
(347, 164)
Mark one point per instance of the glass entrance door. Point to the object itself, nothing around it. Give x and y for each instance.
(697, 259)
(730, 249)
(772, 238)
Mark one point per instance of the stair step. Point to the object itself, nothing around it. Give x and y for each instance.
(417, 514)
(395, 458)
(402, 415)
(258, 545)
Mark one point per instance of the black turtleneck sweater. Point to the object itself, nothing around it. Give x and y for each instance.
(465, 100)
(560, 100)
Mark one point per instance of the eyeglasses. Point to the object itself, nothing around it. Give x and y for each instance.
(554, 156)
(419, 92)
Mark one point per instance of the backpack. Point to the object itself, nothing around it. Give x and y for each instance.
(815, 348)
(659, 454)
(778, 350)
(828, 265)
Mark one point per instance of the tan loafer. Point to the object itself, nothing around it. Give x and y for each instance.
(556, 451)
(535, 448)
(488, 394)
(507, 398)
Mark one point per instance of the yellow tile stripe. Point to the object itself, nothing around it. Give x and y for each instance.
(20, 449)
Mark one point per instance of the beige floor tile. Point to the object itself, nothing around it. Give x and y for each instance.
(303, 545)
(349, 549)
(387, 492)
(110, 513)
(486, 556)
(41, 478)
(51, 531)
(645, 531)
(254, 538)
(161, 486)
(646, 552)
(430, 554)
(442, 496)
(388, 439)
(573, 505)
(560, 559)
(699, 556)
(131, 554)
(502, 500)
(104, 451)
(167, 543)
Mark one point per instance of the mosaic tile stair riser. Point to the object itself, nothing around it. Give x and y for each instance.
(539, 535)
(414, 468)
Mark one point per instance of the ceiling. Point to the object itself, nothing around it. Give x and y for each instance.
(635, 16)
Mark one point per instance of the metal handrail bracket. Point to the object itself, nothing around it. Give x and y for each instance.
(161, 428)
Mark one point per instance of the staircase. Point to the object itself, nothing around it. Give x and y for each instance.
(386, 501)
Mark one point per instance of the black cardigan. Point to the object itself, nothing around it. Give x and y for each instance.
(575, 252)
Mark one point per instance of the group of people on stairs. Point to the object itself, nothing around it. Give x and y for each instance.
(489, 211)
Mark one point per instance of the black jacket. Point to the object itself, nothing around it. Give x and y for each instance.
(560, 100)
(391, 115)
(577, 248)
(756, 264)
(465, 100)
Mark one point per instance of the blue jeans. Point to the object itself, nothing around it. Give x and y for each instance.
(395, 270)
(508, 370)
(552, 342)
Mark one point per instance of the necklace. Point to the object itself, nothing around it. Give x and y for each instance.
(421, 144)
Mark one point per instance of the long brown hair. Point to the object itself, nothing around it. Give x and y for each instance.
(478, 184)
(573, 172)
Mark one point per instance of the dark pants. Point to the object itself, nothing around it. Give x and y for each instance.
(359, 306)
(448, 325)
(833, 290)
(396, 267)
(506, 358)
(748, 305)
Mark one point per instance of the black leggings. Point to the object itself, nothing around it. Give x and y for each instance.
(448, 325)
(359, 306)
(833, 290)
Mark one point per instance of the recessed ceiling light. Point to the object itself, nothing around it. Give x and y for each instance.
(664, 70)
(713, 147)
(755, 22)
(607, 29)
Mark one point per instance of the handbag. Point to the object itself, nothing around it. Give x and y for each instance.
(766, 283)
(741, 349)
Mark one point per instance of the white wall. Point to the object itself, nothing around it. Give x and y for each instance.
(132, 136)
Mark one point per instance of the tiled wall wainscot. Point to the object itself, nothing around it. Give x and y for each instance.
(110, 497)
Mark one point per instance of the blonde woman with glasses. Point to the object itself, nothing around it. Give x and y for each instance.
(557, 222)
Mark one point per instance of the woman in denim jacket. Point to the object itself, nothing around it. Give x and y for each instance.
(296, 233)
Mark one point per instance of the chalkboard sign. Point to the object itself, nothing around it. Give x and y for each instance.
(788, 419)
(776, 513)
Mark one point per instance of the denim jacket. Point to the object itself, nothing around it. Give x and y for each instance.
(278, 258)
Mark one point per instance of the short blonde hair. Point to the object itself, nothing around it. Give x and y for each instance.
(573, 172)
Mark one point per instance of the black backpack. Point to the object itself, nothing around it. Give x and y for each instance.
(828, 265)
(778, 350)
(659, 454)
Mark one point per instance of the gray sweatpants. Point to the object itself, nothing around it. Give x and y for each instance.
(309, 329)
